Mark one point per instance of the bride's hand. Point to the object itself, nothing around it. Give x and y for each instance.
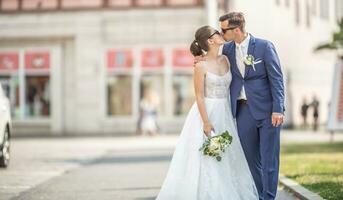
(207, 129)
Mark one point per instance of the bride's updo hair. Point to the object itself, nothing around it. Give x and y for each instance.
(199, 45)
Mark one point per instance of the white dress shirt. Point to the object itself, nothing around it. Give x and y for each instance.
(241, 53)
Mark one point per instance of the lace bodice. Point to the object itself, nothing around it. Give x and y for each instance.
(217, 86)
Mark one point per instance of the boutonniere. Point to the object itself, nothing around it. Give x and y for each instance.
(250, 61)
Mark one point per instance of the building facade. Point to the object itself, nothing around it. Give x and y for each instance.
(83, 67)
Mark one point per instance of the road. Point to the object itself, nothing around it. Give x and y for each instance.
(123, 168)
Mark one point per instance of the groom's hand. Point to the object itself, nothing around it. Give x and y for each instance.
(198, 59)
(277, 119)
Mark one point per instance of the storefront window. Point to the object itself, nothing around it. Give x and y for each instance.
(37, 96)
(183, 94)
(37, 84)
(119, 82)
(151, 92)
(10, 85)
(183, 91)
(119, 99)
(9, 65)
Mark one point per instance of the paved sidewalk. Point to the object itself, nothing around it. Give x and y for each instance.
(89, 168)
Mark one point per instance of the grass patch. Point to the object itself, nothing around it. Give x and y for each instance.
(318, 167)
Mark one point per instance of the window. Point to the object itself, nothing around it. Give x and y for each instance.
(37, 84)
(224, 5)
(308, 14)
(183, 94)
(339, 9)
(287, 3)
(29, 92)
(182, 81)
(37, 96)
(152, 90)
(314, 7)
(119, 82)
(9, 65)
(119, 98)
(324, 9)
(10, 85)
(297, 12)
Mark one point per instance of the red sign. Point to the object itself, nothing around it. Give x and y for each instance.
(37, 60)
(152, 58)
(9, 61)
(119, 59)
(182, 58)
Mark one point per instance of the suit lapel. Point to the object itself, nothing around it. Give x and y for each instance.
(251, 50)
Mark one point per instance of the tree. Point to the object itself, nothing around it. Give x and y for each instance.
(336, 43)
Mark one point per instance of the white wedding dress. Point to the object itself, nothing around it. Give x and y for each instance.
(193, 176)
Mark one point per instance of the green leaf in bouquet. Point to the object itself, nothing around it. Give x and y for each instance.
(219, 158)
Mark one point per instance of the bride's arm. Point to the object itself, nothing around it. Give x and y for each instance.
(199, 74)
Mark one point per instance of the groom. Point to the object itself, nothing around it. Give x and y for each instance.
(257, 100)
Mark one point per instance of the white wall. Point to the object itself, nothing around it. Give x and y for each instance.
(311, 73)
(83, 38)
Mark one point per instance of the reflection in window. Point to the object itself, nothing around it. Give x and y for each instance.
(183, 94)
(10, 84)
(37, 96)
(119, 91)
(151, 90)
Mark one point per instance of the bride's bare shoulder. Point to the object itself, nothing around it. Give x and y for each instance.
(224, 59)
(199, 67)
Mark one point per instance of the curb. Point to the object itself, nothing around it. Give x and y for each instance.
(298, 190)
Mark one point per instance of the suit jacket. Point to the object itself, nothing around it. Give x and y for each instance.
(264, 87)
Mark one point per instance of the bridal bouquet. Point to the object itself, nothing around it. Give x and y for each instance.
(214, 146)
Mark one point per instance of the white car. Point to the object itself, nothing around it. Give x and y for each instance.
(5, 129)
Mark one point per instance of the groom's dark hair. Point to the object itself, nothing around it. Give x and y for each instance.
(234, 19)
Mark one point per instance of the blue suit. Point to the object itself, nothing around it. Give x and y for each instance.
(264, 89)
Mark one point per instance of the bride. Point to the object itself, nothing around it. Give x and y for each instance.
(191, 175)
